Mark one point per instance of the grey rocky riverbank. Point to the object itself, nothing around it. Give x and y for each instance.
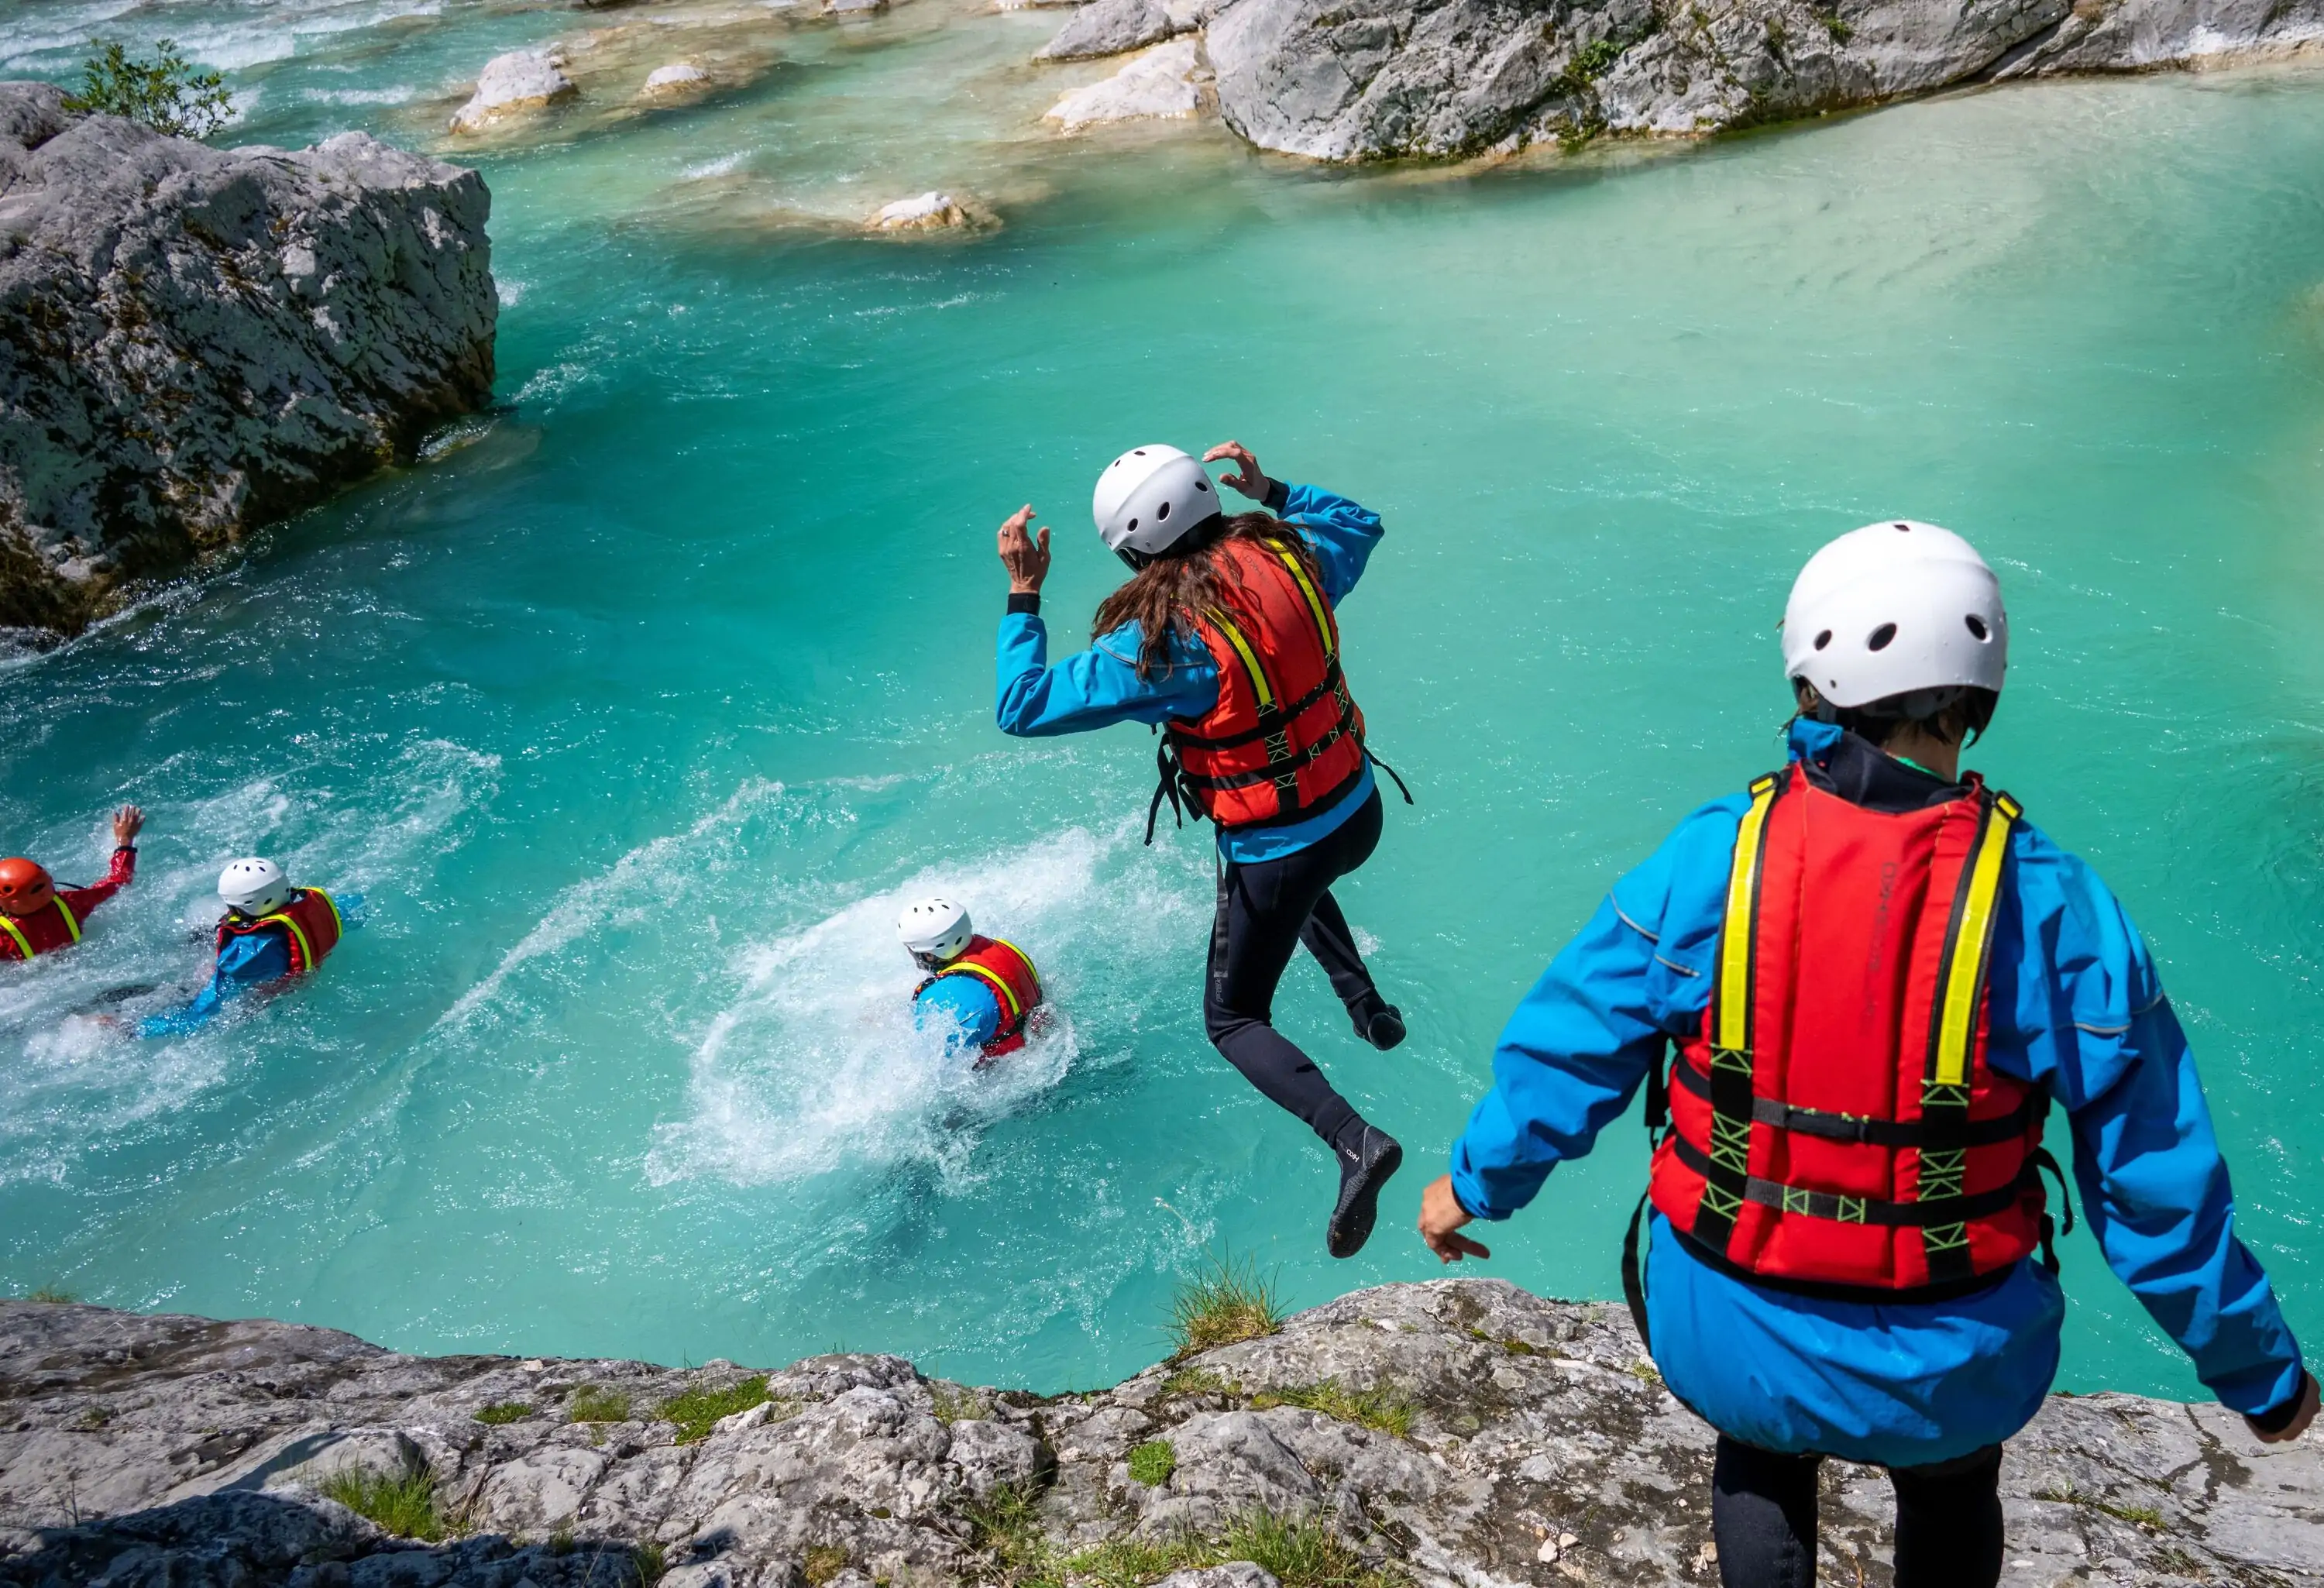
(1459, 1432)
(195, 342)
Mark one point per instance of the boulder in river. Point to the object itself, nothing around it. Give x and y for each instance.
(1109, 27)
(514, 84)
(1371, 80)
(1163, 83)
(196, 341)
(925, 212)
(678, 77)
(1454, 1432)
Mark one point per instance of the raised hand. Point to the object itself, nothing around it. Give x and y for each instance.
(1441, 1218)
(126, 822)
(1026, 556)
(1247, 479)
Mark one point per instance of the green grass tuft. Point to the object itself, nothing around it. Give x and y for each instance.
(1152, 1463)
(1006, 1527)
(504, 1411)
(824, 1561)
(954, 1404)
(1226, 1304)
(1384, 1409)
(653, 1563)
(1195, 1382)
(698, 1410)
(1592, 61)
(1300, 1554)
(51, 1296)
(594, 1404)
(1645, 1372)
(404, 1503)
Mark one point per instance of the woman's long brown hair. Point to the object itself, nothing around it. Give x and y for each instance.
(1165, 594)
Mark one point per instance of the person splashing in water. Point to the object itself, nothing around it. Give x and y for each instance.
(1226, 637)
(985, 987)
(37, 917)
(270, 933)
(1878, 976)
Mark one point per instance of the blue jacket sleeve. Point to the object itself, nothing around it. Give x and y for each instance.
(2098, 1032)
(1341, 533)
(964, 1003)
(1574, 1052)
(1096, 687)
(245, 962)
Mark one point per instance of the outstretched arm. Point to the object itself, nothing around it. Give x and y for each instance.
(1339, 531)
(246, 963)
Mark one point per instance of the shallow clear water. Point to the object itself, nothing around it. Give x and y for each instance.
(639, 715)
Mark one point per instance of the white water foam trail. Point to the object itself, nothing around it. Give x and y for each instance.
(817, 1064)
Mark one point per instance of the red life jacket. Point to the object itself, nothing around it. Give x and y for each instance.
(1283, 740)
(310, 923)
(1836, 1125)
(1003, 967)
(51, 927)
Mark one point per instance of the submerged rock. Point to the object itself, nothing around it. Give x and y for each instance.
(1457, 1432)
(680, 76)
(1368, 80)
(1109, 27)
(514, 84)
(196, 341)
(925, 212)
(1164, 82)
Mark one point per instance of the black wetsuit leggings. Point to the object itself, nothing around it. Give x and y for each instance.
(1763, 1517)
(1264, 911)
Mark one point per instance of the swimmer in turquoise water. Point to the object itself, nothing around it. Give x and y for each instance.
(985, 986)
(271, 932)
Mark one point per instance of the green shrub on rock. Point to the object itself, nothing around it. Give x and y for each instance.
(404, 1502)
(166, 94)
(1152, 1463)
(698, 1412)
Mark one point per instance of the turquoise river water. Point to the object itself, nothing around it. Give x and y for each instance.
(638, 710)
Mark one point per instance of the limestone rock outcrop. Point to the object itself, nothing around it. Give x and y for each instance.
(678, 77)
(1163, 83)
(1109, 27)
(514, 84)
(1369, 79)
(196, 341)
(1458, 1432)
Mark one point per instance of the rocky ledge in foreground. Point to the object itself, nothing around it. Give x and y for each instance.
(1462, 1432)
(196, 341)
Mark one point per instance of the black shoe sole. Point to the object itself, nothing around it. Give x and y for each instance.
(1351, 1224)
(1394, 1020)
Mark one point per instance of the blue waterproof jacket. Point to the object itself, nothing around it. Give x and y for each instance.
(250, 960)
(1100, 687)
(2076, 1007)
(966, 1003)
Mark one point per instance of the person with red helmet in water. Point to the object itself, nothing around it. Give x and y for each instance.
(37, 917)
(985, 987)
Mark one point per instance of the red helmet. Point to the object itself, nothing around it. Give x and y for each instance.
(25, 886)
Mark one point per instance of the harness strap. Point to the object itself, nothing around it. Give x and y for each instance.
(1391, 772)
(1726, 1177)
(1000, 984)
(305, 960)
(1333, 680)
(23, 944)
(1849, 1127)
(72, 924)
(1925, 1214)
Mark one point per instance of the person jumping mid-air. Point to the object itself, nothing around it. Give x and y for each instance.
(1226, 637)
(271, 931)
(985, 987)
(1879, 976)
(37, 917)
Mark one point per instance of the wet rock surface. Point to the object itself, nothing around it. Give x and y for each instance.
(1366, 79)
(1460, 1431)
(196, 341)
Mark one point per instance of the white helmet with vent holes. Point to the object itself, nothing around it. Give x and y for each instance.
(935, 929)
(1895, 608)
(254, 887)
(1148, 500)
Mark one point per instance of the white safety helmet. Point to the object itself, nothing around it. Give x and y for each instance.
(935, 929)
(1897, 608)
(254, 887)
(1150, 499)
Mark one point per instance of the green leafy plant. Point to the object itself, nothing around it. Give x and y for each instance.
(504, 1411)
(595, 1404)
(1645, 1372)
(1592, 61)
(402, 1503)
(1152, 1463)
(1836, 26)
(1384, 1409)
(166, 94)
(1226, 1304)
(698, 1412)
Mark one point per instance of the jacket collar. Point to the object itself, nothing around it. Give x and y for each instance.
(1843, 763)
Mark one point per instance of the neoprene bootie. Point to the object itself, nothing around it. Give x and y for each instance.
(1366, 1161)
(1383, 1028)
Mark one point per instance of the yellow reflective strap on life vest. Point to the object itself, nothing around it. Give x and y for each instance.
(71, 925)
(305, 949)
(339, 922)
(1024, 958)
(1734, 1025)
(23, 944)
(1315, 607)
(1973, 937)
(1000, 984)
(1258, 680)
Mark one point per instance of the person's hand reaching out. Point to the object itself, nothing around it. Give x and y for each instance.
(1025, 556)
(1441, 1218)
(126, 822)
(1246, 480)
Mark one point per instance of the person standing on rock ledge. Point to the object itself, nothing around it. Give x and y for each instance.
(1226, 637)
(1879, 976)
(37, 917)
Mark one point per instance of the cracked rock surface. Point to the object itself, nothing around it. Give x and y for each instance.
(194, 341)
(1371, 80)
(1458, 1432)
